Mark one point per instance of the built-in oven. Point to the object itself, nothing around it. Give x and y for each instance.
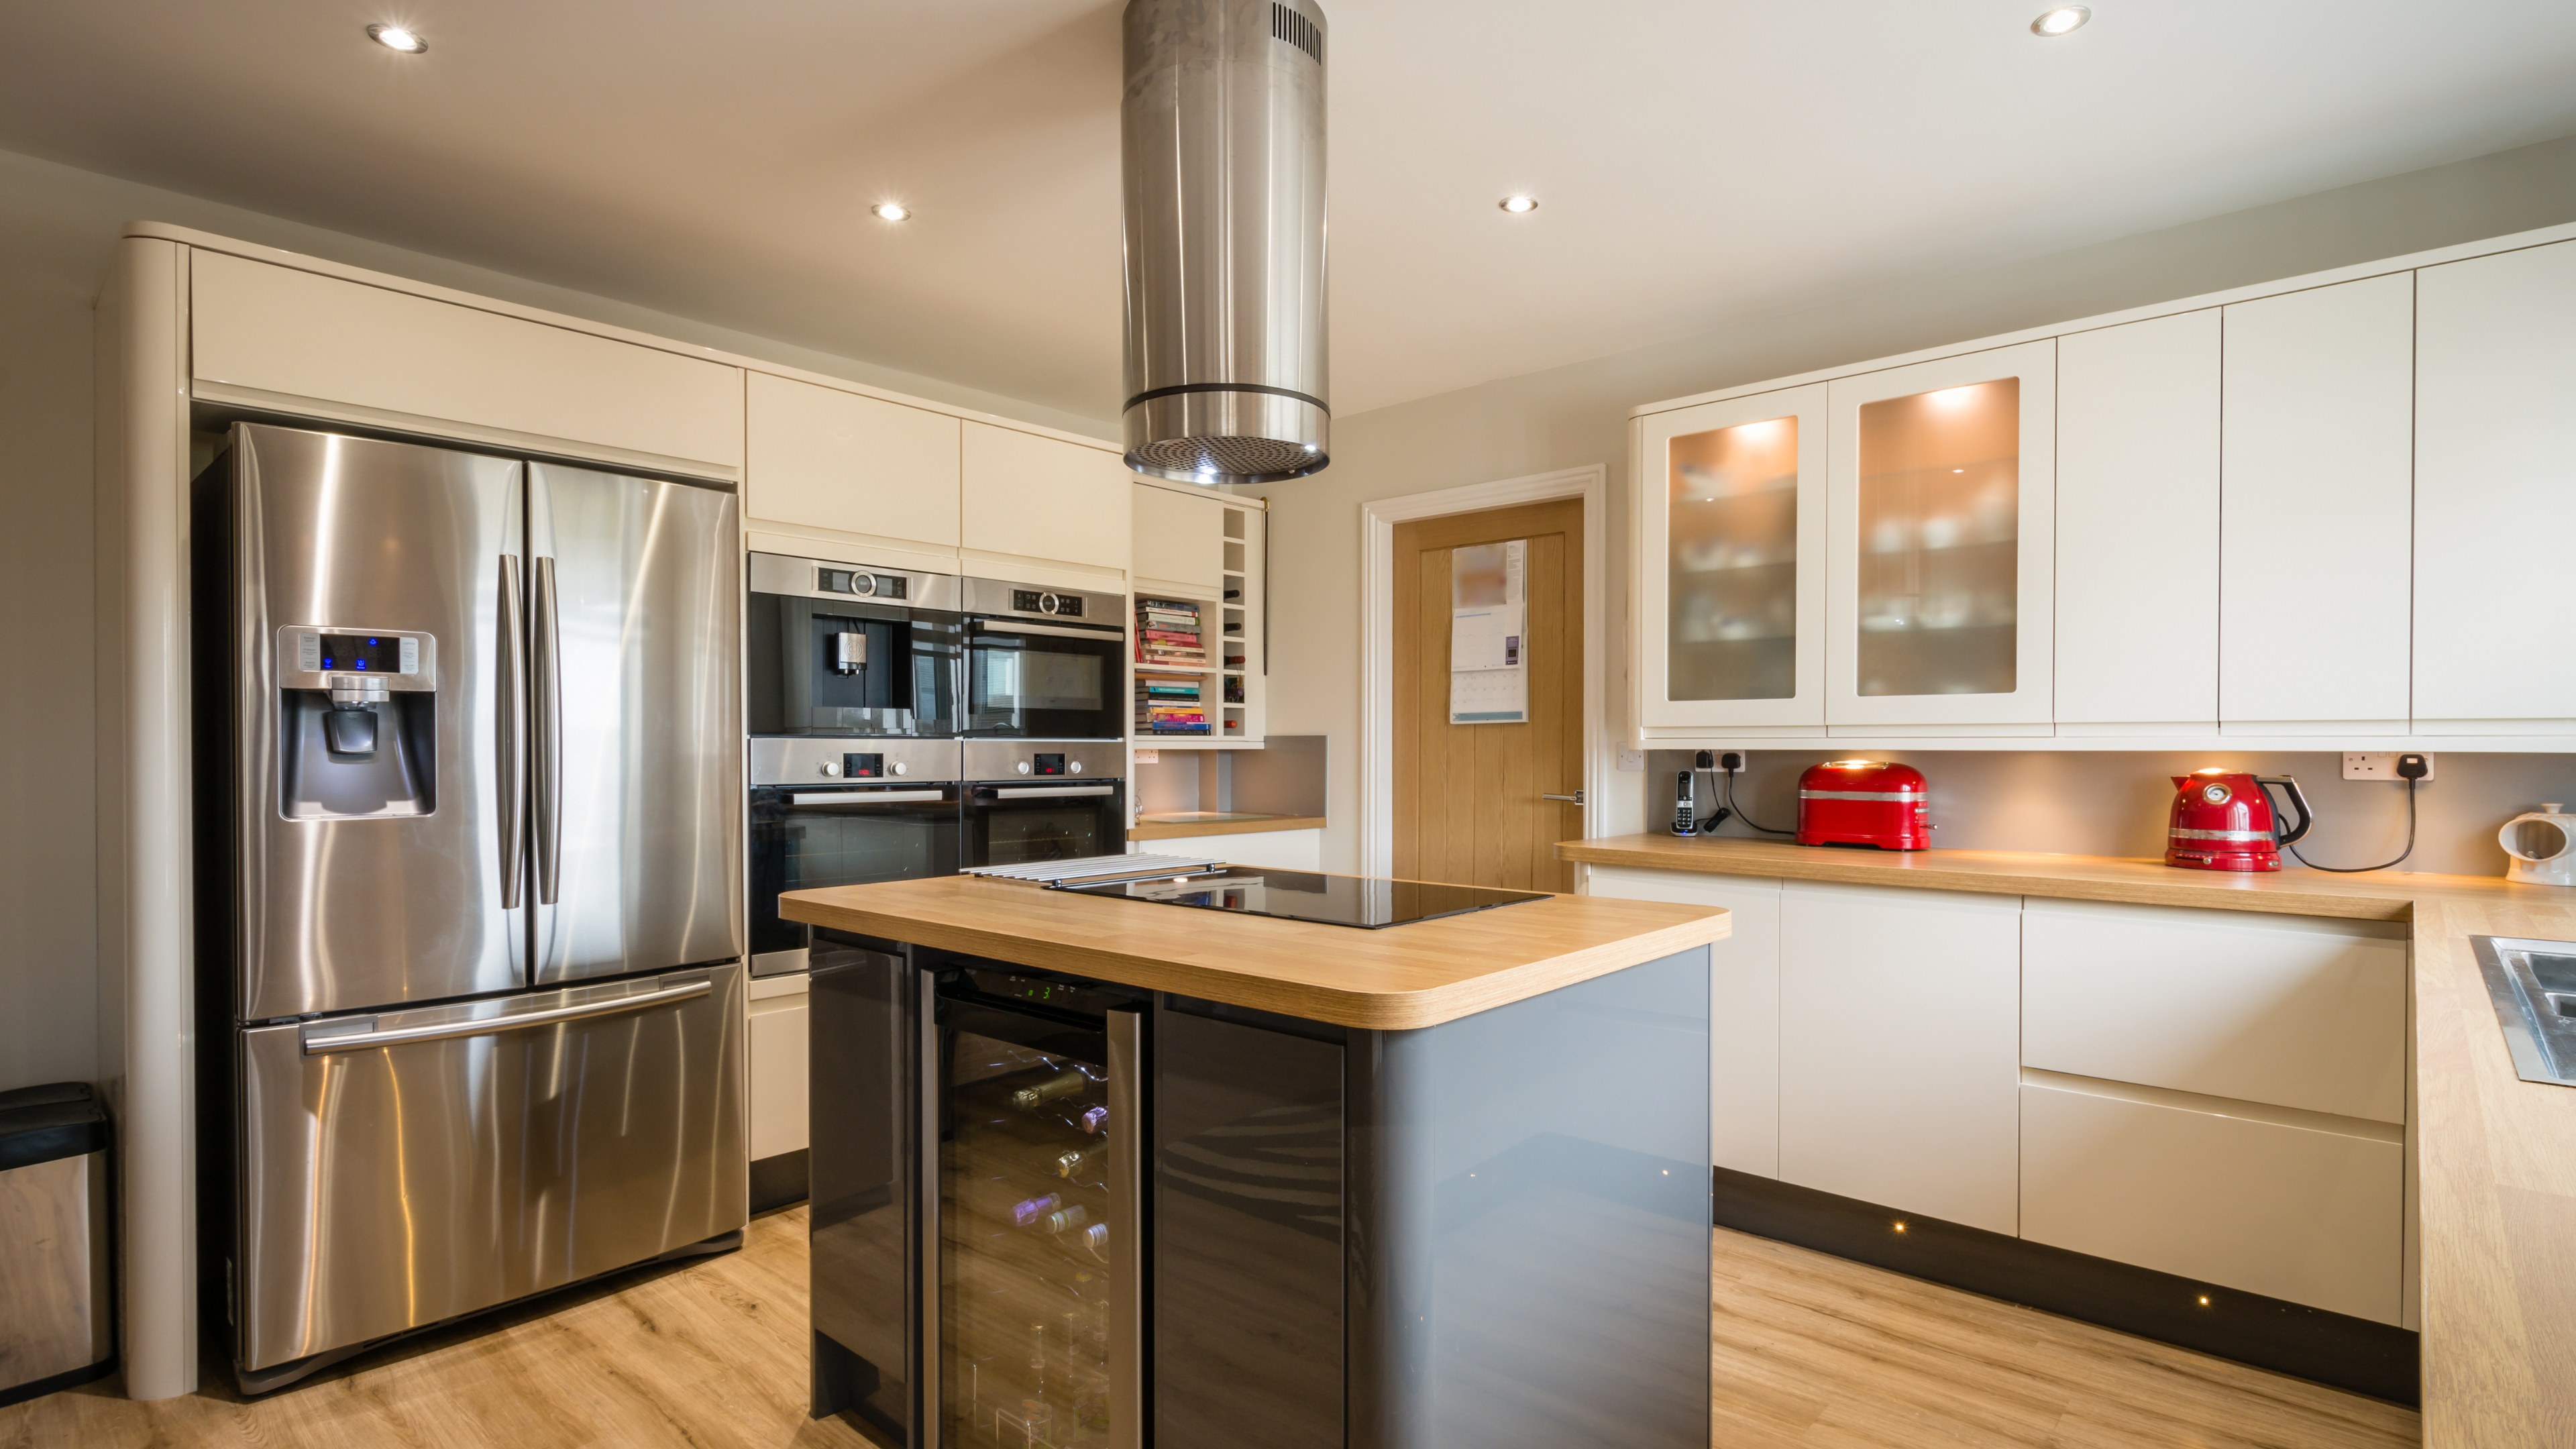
(850, 651)
(845, 812)
(1044, 664)
(1032, 800)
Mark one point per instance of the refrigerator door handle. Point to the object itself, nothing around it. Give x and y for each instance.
(320, 1040)
(549, 738)
(511, 685)
(1127, 1240)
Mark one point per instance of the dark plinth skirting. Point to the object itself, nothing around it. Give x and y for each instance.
(2291, 1338)
(778, 1181)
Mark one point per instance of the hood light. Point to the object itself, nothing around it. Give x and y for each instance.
(2064, 20)
(395, 37)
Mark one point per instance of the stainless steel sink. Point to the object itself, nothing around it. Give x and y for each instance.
(2533, 985)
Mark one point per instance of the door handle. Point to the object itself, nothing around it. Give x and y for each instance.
(320, 1041)
(549, 742)
(512, 709)
(1030, 791)
(1574, 799)
(867, 797)
(1126, 1244)
(1096, 636)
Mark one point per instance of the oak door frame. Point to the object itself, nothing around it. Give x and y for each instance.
(1378, 519)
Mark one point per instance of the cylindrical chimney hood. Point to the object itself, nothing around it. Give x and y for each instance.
(1224, 159)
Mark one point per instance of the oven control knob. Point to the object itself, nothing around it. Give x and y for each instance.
(1076, 767)
(1023, 767)
(831, 768)
(898, 768)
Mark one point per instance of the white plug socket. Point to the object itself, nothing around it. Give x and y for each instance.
(2375, 765)
(1631, 759)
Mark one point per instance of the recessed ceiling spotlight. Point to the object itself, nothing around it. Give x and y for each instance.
(395, 37)
(1519, 205)
(2063, 20)
(892, 211)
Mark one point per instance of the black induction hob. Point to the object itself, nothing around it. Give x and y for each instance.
(1336, 900)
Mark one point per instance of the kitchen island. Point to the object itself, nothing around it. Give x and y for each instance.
(2490, 1159)
(1087, 1169)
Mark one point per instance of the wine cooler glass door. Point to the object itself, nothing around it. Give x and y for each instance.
(1031, 1228)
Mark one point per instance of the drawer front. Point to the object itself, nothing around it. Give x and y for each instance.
(2274, 1009)
(1743, 1006)
(279, 330)
(2316, 1217)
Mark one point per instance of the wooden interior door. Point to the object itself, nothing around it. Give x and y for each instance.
(1469, 798)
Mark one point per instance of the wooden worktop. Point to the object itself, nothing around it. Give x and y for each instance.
(2495, 1155)
(1414, 975)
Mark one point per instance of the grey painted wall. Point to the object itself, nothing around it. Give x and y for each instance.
(1572, 416)
(2069, 802)
(57, 227)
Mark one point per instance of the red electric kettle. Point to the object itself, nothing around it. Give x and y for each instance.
(2223, 820)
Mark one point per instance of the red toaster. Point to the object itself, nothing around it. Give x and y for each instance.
(1864, 802)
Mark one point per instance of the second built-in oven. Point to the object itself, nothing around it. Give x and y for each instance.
(1044, 664)
(845, 812)
(1036, 800)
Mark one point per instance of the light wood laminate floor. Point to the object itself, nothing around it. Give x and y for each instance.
(1809, 1352)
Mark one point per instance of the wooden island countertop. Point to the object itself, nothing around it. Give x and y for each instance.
(1398, 978)
(2495, 1155)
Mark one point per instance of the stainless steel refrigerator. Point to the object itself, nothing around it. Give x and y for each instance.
(470, 883)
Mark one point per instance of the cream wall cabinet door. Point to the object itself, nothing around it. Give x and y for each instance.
(2313, 1216)
(1743, 1005)
(1179, 541)
(2314, 549)
(777, 1067)
(1940, 543)
(2287, 1010)
(2495, 492)
(1900, 1052)
(817, 457)
(270, 335)
(1730, 508)
(1046, 499)
(2137, 527)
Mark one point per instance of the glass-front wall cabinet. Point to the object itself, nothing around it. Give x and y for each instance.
(1941, 556)
(1739, 594)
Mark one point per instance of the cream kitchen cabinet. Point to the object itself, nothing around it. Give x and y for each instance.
(1940, 544)
(2315, 543)
(1730, 508)
(2138, 527)
(2495, 491)
(1744, 1005)
(1042, 505)
(1900, 1049)
(1179, 542)
(286, 340)
(858, 467)
(1210, 548)
(776, 1053)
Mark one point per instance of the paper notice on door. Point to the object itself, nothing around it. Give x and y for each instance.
(1488, 645)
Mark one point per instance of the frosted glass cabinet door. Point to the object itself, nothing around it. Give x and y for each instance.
(1732, 504)
(1941, 542)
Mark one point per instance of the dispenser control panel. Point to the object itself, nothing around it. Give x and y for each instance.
(318, 656)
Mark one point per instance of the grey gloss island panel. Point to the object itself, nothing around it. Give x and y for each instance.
(865, 1162)
(1247, 1235)
(1528, 1249)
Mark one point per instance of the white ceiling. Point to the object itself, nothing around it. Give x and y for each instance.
(1697, 160)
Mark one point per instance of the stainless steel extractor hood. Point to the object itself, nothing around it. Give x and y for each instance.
(1224, 164)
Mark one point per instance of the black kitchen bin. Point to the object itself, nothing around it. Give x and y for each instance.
(55, 1296)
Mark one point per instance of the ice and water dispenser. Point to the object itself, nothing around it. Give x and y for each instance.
(357, 723)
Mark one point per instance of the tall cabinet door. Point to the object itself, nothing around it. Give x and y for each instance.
(2495, 491)
(1731, 502)
(2314, 560)
(1941, 542)
(636, 606)
(2137, 527)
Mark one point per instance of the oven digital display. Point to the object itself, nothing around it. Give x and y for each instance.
(862, 584)
(863, 767)
(1048, 764)
(1032, 601)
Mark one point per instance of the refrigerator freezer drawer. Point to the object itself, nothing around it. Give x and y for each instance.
(408, 1167)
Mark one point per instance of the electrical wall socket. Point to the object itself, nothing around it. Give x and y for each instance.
(2371, 765)
(1631, 759)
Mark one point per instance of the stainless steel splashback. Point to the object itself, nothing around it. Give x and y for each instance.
(341, 906)
(1223, 124)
